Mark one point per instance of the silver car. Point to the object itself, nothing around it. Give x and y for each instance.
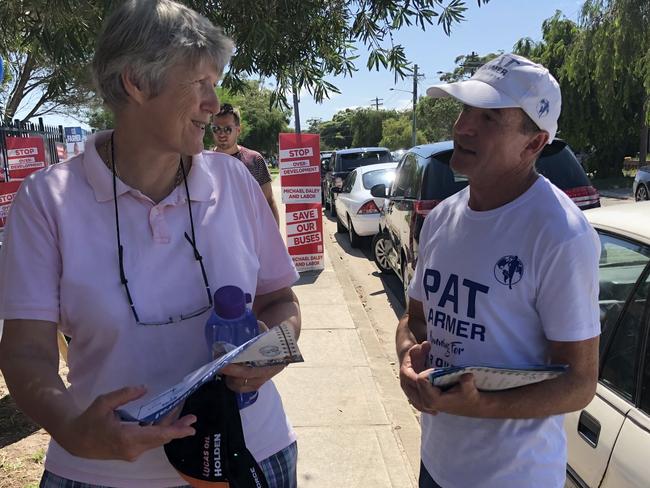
(641, 185)
(357, 211)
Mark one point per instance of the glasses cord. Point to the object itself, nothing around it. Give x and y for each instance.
(120, 249)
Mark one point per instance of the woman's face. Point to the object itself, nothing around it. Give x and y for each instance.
(182, 110)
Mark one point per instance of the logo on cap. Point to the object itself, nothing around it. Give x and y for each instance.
(543, 108)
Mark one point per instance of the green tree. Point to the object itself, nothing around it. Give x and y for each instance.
(397, 133)
(436, 117)
(603, 68)
(467, 65)
(47, 46)
(100, 118)
(314, 125)
(296, 43)
(367, 126)
(337, 133)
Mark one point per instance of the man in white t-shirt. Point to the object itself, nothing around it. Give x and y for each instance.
(507, 275)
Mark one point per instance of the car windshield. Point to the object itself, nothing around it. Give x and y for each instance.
(363, 158)
(380, 176)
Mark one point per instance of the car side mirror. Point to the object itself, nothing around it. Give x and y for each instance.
(336, 189)
(379, 191)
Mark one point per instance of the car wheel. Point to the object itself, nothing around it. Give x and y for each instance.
(380, 253)
(641, 193)
(340, 228)
(355, 239)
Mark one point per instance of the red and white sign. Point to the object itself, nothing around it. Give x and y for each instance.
(8, 192)
(24, 156)
(301, 192)
(300, 168)
(305, 235)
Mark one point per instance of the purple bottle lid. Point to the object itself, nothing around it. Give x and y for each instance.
(229, 302)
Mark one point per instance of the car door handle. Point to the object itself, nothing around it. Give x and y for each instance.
(589, 428)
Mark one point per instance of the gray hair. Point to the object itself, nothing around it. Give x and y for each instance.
(148, 37)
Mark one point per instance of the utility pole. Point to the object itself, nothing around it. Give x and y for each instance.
(415, 76)
(376, 101)
(296, 112)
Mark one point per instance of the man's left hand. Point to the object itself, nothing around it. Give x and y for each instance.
(461, 399)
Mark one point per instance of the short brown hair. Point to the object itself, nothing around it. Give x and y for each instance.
(528, 126)
(226, 109)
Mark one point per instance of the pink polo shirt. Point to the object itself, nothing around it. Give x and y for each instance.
(59, 264)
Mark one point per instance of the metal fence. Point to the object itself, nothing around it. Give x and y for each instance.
(50, 134)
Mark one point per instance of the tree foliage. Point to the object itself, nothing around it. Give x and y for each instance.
(436, 117)
(46, 47)
(467, 65)
(397, 133)
(603, 67)
(366, 126)
(49, 44)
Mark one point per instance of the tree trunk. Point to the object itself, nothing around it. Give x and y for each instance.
(18, 92)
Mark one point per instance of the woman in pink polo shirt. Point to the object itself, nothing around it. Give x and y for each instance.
(121, 247)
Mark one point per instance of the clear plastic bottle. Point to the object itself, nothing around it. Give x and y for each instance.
(231, 323)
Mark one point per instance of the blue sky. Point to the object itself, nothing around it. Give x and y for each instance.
(493, 27)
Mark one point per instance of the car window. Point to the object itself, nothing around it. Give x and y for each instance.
(624, 288)
(403, 175)
(440, 181)
(407, 179)
(349, 182)
(621, 265)
(558, 163)
(622, 356)
(363, 158)
(380, 176)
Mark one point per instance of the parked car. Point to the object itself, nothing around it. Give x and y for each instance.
(398, 154)
(641, 185)
(357, 211)
(324, 157)
(609, 440)
(423, 179)
(341, 163)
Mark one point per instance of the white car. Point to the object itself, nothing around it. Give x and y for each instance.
(609, 440)
(357, 211)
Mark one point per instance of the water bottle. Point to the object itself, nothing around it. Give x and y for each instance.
(231, 323)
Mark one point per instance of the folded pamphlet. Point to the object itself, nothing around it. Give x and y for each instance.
(275, 346)
(489, 378)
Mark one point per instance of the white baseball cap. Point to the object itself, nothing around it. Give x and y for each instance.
(510, 81)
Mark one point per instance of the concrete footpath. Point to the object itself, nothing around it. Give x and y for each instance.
(354, 425)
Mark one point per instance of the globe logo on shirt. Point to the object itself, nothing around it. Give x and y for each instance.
(509, 270)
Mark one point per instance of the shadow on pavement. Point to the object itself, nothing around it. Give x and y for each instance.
(308, 277)
(14, 425)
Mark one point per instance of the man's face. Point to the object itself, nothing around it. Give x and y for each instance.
(489, 143)
(225, 131)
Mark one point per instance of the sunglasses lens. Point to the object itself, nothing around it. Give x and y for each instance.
(218, 130)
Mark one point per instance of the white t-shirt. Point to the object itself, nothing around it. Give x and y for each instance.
(496, 286)
(59, 264)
